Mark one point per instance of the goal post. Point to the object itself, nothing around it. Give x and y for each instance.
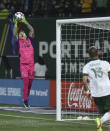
(58, 72)
(73, 38)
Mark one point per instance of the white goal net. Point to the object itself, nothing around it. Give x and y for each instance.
(73, 38)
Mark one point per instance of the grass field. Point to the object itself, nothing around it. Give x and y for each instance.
(16, 121)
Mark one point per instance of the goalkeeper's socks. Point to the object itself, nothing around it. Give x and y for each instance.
(105, 117)
(99, 124)
(26, 105)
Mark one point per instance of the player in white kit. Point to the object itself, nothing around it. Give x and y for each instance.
(97, 72)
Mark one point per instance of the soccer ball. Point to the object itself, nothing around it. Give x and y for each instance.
(18, 16)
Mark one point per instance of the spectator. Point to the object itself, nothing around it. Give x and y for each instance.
(75, 8)
(9, 5)
(30, 7)
(4, 13)
(39, 8)
(8, 69)
(40, 68)
(51, 10)
(67, 8)
(14, 6)
(101, 7)
(86, 6)
(60, 8)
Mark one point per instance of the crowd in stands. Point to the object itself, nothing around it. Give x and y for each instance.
(56, 8)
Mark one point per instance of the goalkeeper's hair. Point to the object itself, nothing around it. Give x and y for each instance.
(92, 52)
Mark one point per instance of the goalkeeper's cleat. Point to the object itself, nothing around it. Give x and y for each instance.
(99, 124)
(26, 105)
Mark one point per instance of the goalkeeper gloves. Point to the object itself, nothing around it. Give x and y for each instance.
(24, 20)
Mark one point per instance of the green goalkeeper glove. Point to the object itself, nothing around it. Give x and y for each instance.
(24, 20)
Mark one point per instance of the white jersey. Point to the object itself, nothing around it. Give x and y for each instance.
(97, 71)
(40, 70)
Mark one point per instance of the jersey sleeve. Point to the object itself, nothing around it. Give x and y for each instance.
(85, 70)
(108, 66)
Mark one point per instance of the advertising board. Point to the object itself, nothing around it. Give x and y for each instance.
(72, 96)
(11, 92)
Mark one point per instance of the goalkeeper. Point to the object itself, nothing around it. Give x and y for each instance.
(98, 73)
(26, 53)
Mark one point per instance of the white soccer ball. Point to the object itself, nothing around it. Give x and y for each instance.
(18, 16)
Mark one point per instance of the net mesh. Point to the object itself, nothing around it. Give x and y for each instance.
(75, 41)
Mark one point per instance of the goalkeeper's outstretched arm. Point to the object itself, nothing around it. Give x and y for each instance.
(85, 85)
(85, 78)
(31, 29)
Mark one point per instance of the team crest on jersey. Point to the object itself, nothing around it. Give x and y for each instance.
(22, 73)
(27, 41)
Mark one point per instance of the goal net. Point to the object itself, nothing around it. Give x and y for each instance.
(73, 38)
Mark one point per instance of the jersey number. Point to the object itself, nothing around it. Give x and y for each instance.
(98, 72)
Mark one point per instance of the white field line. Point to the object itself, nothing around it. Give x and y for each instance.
(35, 118)
(39, 118)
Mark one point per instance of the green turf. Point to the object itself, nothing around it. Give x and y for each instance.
(16, 121)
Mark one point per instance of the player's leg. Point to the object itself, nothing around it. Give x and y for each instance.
(30, 85)
(31, 77)
(24, 76)
(100, 105)
(25, 88)
(104, 108)
(106, 115)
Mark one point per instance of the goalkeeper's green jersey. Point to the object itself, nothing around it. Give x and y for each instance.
(97, 71)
